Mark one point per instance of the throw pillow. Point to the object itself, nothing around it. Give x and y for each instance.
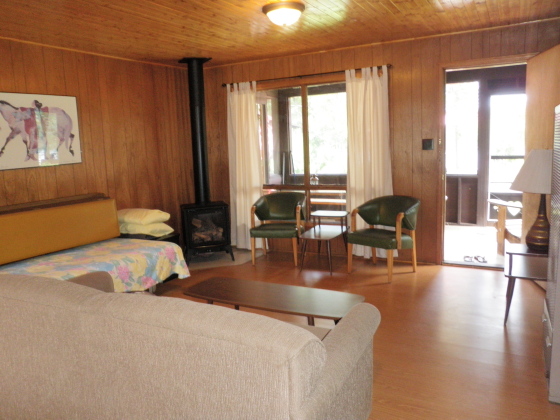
(142, 216)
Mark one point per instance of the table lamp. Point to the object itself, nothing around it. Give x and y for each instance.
(535, 176)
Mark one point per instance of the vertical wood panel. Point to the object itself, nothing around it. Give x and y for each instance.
(113, 131)
(363, 57)
(327, 61)
(430, 230)
(184, 149)
(416, 97)
(401, 116)
(97, 161)
(336, 58)
(56, 84)
(377, 56)
(72, 78)
(513, 40)
(281, 67)
(36, 82)
(348, 59)
(416, 104)
(217, 136)
(461, 47)
(445, 49)
(7, 84)
(531, 38)
(549, 34)
(492, 43)
(305, 64)
(477, 45)
(152, 176)
(163, 84)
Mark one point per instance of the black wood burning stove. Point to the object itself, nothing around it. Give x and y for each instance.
(206, 224)
(206, 228)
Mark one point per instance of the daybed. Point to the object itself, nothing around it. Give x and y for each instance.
(72, 352)
(69, 237)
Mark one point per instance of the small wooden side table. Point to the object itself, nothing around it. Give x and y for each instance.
(321, 233)
(331, 214)
(525, 264)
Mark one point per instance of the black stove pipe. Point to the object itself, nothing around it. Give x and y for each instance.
(198, 127)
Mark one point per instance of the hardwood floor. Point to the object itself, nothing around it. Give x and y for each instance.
(441, 351)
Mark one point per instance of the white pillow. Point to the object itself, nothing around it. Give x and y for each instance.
(142, 216)
(153, 229)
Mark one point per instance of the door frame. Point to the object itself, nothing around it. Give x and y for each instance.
(488, 76)
(460, 65)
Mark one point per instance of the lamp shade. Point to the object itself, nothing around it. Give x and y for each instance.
(284, 13)
(535, 176)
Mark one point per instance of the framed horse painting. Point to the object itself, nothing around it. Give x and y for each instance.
(38, 130)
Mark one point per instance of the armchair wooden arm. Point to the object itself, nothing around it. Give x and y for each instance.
(299, 223)
(398, 229)
(502, 232)
(253, 209)
(353, 220)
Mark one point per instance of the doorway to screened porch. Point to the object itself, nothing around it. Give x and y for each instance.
(485, 148)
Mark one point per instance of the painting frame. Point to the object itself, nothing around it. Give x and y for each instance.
(38, 130)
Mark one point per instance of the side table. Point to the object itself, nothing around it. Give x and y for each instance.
(525, 264)
(330, 214)
(321, 233)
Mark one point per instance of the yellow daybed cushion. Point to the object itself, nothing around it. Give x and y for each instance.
(32, 233)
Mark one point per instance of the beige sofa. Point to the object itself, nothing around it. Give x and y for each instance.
(74, 352)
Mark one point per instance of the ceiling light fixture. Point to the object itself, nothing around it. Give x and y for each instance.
(284, 13)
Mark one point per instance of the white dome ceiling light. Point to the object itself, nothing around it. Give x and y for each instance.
(284, 13)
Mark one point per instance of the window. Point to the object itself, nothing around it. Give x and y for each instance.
(507, 141)
(303, 137)
(461, 128)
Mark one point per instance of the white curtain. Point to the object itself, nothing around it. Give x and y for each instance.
(369, 156)
(245, 175)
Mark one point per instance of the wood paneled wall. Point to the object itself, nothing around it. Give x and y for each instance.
(543, 95)
(134, 128)
(416, 96)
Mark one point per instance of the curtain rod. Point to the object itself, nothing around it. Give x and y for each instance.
(306, 75)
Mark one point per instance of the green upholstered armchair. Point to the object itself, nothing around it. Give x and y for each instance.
(281, 215)
(395, 211)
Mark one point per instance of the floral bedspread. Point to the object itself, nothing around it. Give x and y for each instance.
(134, 264)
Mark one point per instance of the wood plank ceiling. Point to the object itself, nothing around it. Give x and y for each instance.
(231, 31)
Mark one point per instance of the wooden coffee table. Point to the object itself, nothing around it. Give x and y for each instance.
(295, 300)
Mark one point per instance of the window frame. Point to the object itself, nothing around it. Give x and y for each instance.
(303, 84)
